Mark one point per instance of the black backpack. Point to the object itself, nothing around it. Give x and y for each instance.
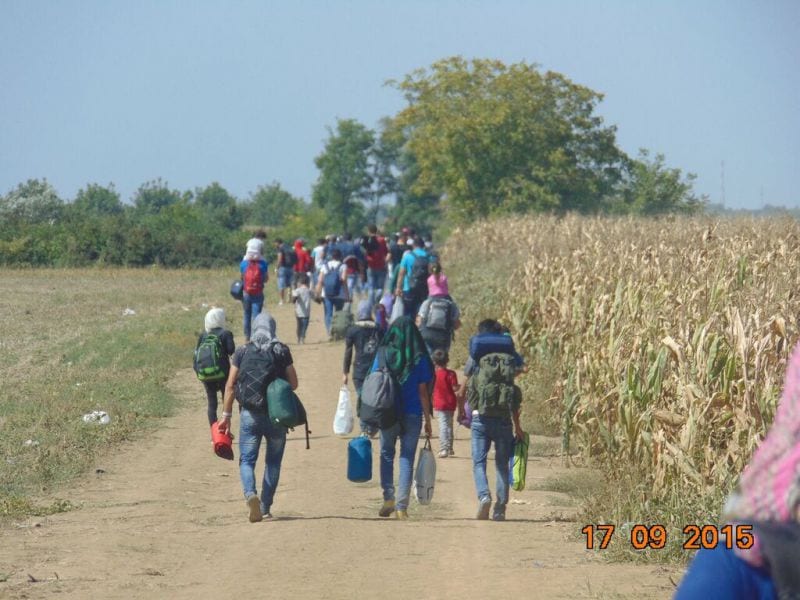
(418, 278)
(289, 256)
(257, 370)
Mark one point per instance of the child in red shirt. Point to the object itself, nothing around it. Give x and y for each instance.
(445, 389)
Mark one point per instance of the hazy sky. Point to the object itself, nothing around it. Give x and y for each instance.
(241, 92)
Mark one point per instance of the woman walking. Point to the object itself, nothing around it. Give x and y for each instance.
(407, 358)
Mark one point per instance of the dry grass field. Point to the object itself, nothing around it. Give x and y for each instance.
(657, 347)
(67, 349)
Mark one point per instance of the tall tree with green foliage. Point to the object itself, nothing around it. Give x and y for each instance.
(491, 138)
(271, 206)
(154, 196)
(649, 187)
(219, 205)
(345, 180)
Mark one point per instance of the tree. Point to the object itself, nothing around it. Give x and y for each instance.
(217, 204)
(97, 200)
(650, 188)
(31, 202)
(491, 138)
(271, 206)
(345, 180)
(154, 196)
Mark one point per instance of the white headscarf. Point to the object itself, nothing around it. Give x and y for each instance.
(263, 335)
(215, 318)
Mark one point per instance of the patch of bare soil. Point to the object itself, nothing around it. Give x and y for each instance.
(164, 518)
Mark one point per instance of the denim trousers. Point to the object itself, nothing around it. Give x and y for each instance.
(409, 436)
(445, 418)
(252, 427)
(719, 573)
(252, 306)
(411, 305)
(330, 305)
(486, 430)
(376, 280)
(302, 327)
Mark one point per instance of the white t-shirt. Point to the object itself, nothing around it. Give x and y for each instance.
(319, 257)
(302, 306)
(255, 248)
(341, 269)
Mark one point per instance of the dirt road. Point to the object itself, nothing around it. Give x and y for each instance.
(164, 518)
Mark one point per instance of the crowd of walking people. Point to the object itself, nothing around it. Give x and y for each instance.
(405, 323)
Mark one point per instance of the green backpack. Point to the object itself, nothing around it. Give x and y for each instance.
(341, 320)
(207, 358)
(284, 407)
(491, 390)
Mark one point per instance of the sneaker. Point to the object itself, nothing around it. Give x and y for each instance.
(499, 515)
(267, 515)
(452, 453)
(254, 504)
(401, 515)
(387, 509)
(443, 454)
(483, 509)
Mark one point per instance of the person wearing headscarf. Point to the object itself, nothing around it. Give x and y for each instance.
(765, 510)
(215, 325)
(254, 367)
(407, 358)
(362, 339)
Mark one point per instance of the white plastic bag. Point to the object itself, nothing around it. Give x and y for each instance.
(397, 310)
(425, 474)
(343, 419)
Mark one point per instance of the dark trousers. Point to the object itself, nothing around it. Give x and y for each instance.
(212, 387)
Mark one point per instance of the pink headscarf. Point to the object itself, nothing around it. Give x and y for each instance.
(769, 489)
(438, 288)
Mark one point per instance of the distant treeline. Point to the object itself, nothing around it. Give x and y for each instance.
(476, 139)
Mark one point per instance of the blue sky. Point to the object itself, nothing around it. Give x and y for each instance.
(242, 92)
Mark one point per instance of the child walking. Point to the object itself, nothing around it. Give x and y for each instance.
(215, 328)
(301, 297)
(445, 389)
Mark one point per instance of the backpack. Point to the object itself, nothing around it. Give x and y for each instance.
(486, 343)
(332, 282)
(253, 279)
(289, 257)
(237, 289)
(257, 370)
(341, 320)
(284, 407)
(418, 278)
(380, 397)
(438, 317)
(491, 391)
(207, 356)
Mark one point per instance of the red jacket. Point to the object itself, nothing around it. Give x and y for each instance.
(444, 395)
(376, 257)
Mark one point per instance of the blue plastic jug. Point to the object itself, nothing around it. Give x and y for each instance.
(359, 459)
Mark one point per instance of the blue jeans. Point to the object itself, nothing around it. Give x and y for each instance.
(252, 306)
(486, 430)
(411, 305)
(252, 427)
(719, 573)
(330, 304)
(285, 275)
(409, 436)
(376, 279)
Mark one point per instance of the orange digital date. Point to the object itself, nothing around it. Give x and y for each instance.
(655, 536)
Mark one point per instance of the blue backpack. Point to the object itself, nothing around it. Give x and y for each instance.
(332, 282)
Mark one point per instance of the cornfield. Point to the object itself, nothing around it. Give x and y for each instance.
(670, 338)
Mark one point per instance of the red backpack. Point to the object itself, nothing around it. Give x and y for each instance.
(253, 279)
